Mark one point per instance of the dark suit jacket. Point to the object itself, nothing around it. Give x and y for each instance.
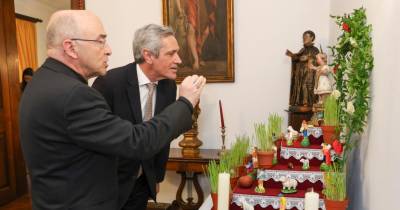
(70, 140)
(120, 88)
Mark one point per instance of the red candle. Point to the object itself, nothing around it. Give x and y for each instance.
(221, 113)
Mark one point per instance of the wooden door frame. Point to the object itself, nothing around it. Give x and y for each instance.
(10, 96)
(77, 4)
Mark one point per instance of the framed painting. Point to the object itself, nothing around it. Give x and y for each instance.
(204, 31)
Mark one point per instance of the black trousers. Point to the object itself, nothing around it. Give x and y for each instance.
(139, 195)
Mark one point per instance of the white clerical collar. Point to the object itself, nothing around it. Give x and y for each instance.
(142, 78)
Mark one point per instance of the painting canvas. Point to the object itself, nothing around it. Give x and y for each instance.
(204, 31)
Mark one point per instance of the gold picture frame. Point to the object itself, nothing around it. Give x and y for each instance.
(203, 29)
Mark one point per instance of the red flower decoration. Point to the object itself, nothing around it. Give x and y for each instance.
(337, 147)
(335, 68)
(346, 27)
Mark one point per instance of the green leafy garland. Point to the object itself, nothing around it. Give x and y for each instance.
(353, 63)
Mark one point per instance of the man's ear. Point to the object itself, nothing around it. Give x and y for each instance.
(147, 56)
(69, 48)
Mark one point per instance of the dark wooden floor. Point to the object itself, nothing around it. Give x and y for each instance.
(22, 203)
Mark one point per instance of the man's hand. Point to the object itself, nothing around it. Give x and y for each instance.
(289, 53)
(191, 88)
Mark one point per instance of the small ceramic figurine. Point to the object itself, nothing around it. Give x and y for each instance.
(306, 164)
(289, 185)
(282, 203)
(290, 165)
(254, 158)
(304, 130)
(249, 166)
(260, 187)
(291, 135)
(275, 159)
(327, 154)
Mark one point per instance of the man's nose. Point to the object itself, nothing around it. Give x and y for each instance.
(178, 59)
(108, 49)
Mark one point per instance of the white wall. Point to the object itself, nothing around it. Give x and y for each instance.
(374, 167)
(263, 30)
(37, 9)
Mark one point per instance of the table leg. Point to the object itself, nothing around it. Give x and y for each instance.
(179, 203)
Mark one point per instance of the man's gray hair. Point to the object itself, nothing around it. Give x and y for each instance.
(149, 37)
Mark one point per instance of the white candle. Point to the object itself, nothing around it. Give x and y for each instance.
(223, 191)
(311, 201)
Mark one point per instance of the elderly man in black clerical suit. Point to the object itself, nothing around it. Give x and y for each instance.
(70, 138)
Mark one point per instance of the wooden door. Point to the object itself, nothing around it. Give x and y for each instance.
(12, 167)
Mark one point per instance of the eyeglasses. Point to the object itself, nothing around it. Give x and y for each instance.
(101, 43)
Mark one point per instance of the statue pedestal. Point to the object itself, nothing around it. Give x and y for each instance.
(297, 114)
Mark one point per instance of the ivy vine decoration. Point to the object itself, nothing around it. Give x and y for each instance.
(352, 64)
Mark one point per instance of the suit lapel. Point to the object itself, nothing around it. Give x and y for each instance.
(132, 91)
(161, 97)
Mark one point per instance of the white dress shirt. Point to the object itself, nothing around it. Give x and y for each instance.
(144, 91)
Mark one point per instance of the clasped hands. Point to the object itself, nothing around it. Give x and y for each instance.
(191, 88)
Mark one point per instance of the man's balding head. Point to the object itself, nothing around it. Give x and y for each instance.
(67, 24)
(77, 38)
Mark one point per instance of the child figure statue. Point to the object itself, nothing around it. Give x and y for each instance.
(323, 85)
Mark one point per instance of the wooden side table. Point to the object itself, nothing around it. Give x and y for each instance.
(189, 168)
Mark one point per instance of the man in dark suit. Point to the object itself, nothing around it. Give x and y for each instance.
(70, 138)
(155, 50)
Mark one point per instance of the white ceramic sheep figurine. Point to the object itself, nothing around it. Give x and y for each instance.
(289, 184)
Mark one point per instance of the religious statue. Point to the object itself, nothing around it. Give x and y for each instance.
(323, 84)
(302, 77)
